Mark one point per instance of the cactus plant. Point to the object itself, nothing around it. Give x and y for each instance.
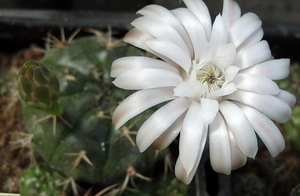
(79, 141)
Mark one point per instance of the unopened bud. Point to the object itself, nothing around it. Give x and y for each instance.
(38, 87)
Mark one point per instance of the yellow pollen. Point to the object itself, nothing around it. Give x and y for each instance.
(211, 77)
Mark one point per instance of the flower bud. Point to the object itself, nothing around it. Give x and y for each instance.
(38, 87)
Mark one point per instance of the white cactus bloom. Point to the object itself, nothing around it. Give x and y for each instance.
(216, 81)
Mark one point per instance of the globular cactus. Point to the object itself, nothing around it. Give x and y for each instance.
(79, 141)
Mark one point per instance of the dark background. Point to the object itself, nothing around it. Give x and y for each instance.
(23, 21)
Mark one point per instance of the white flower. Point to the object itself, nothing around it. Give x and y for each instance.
(216, 82)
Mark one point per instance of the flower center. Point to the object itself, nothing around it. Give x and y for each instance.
(211, 77)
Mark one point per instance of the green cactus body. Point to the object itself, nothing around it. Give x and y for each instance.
(84, 131)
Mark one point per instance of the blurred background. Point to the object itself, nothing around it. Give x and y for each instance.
(281, 10)
(22, 20)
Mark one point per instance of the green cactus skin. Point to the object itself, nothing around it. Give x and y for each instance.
(88, 99)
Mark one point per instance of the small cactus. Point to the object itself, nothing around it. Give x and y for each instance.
(40, 180)
(84, 146)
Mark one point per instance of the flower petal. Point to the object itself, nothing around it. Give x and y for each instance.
(163, 14)
(137, 38)
(231, 12)
(255, 83)
(241, 128)
(230, 73)
(255, 54)
(219, 35)
(276, 69)
(226, 90)
(166, 138)
(225, 56)
(195, 31)
(181, 173)
(172, 52)
(252, 39)
(147, 78)
(160, 30)
(193, 132)
(265, 129)
(162, 119)
(200, 10)
(209, 109)
(287, 98)
(139, 102)
(124, 64)
(219, 146)
(199, 90)
(238, 159)
(184, 90)
(244, 27)
(269, 105)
